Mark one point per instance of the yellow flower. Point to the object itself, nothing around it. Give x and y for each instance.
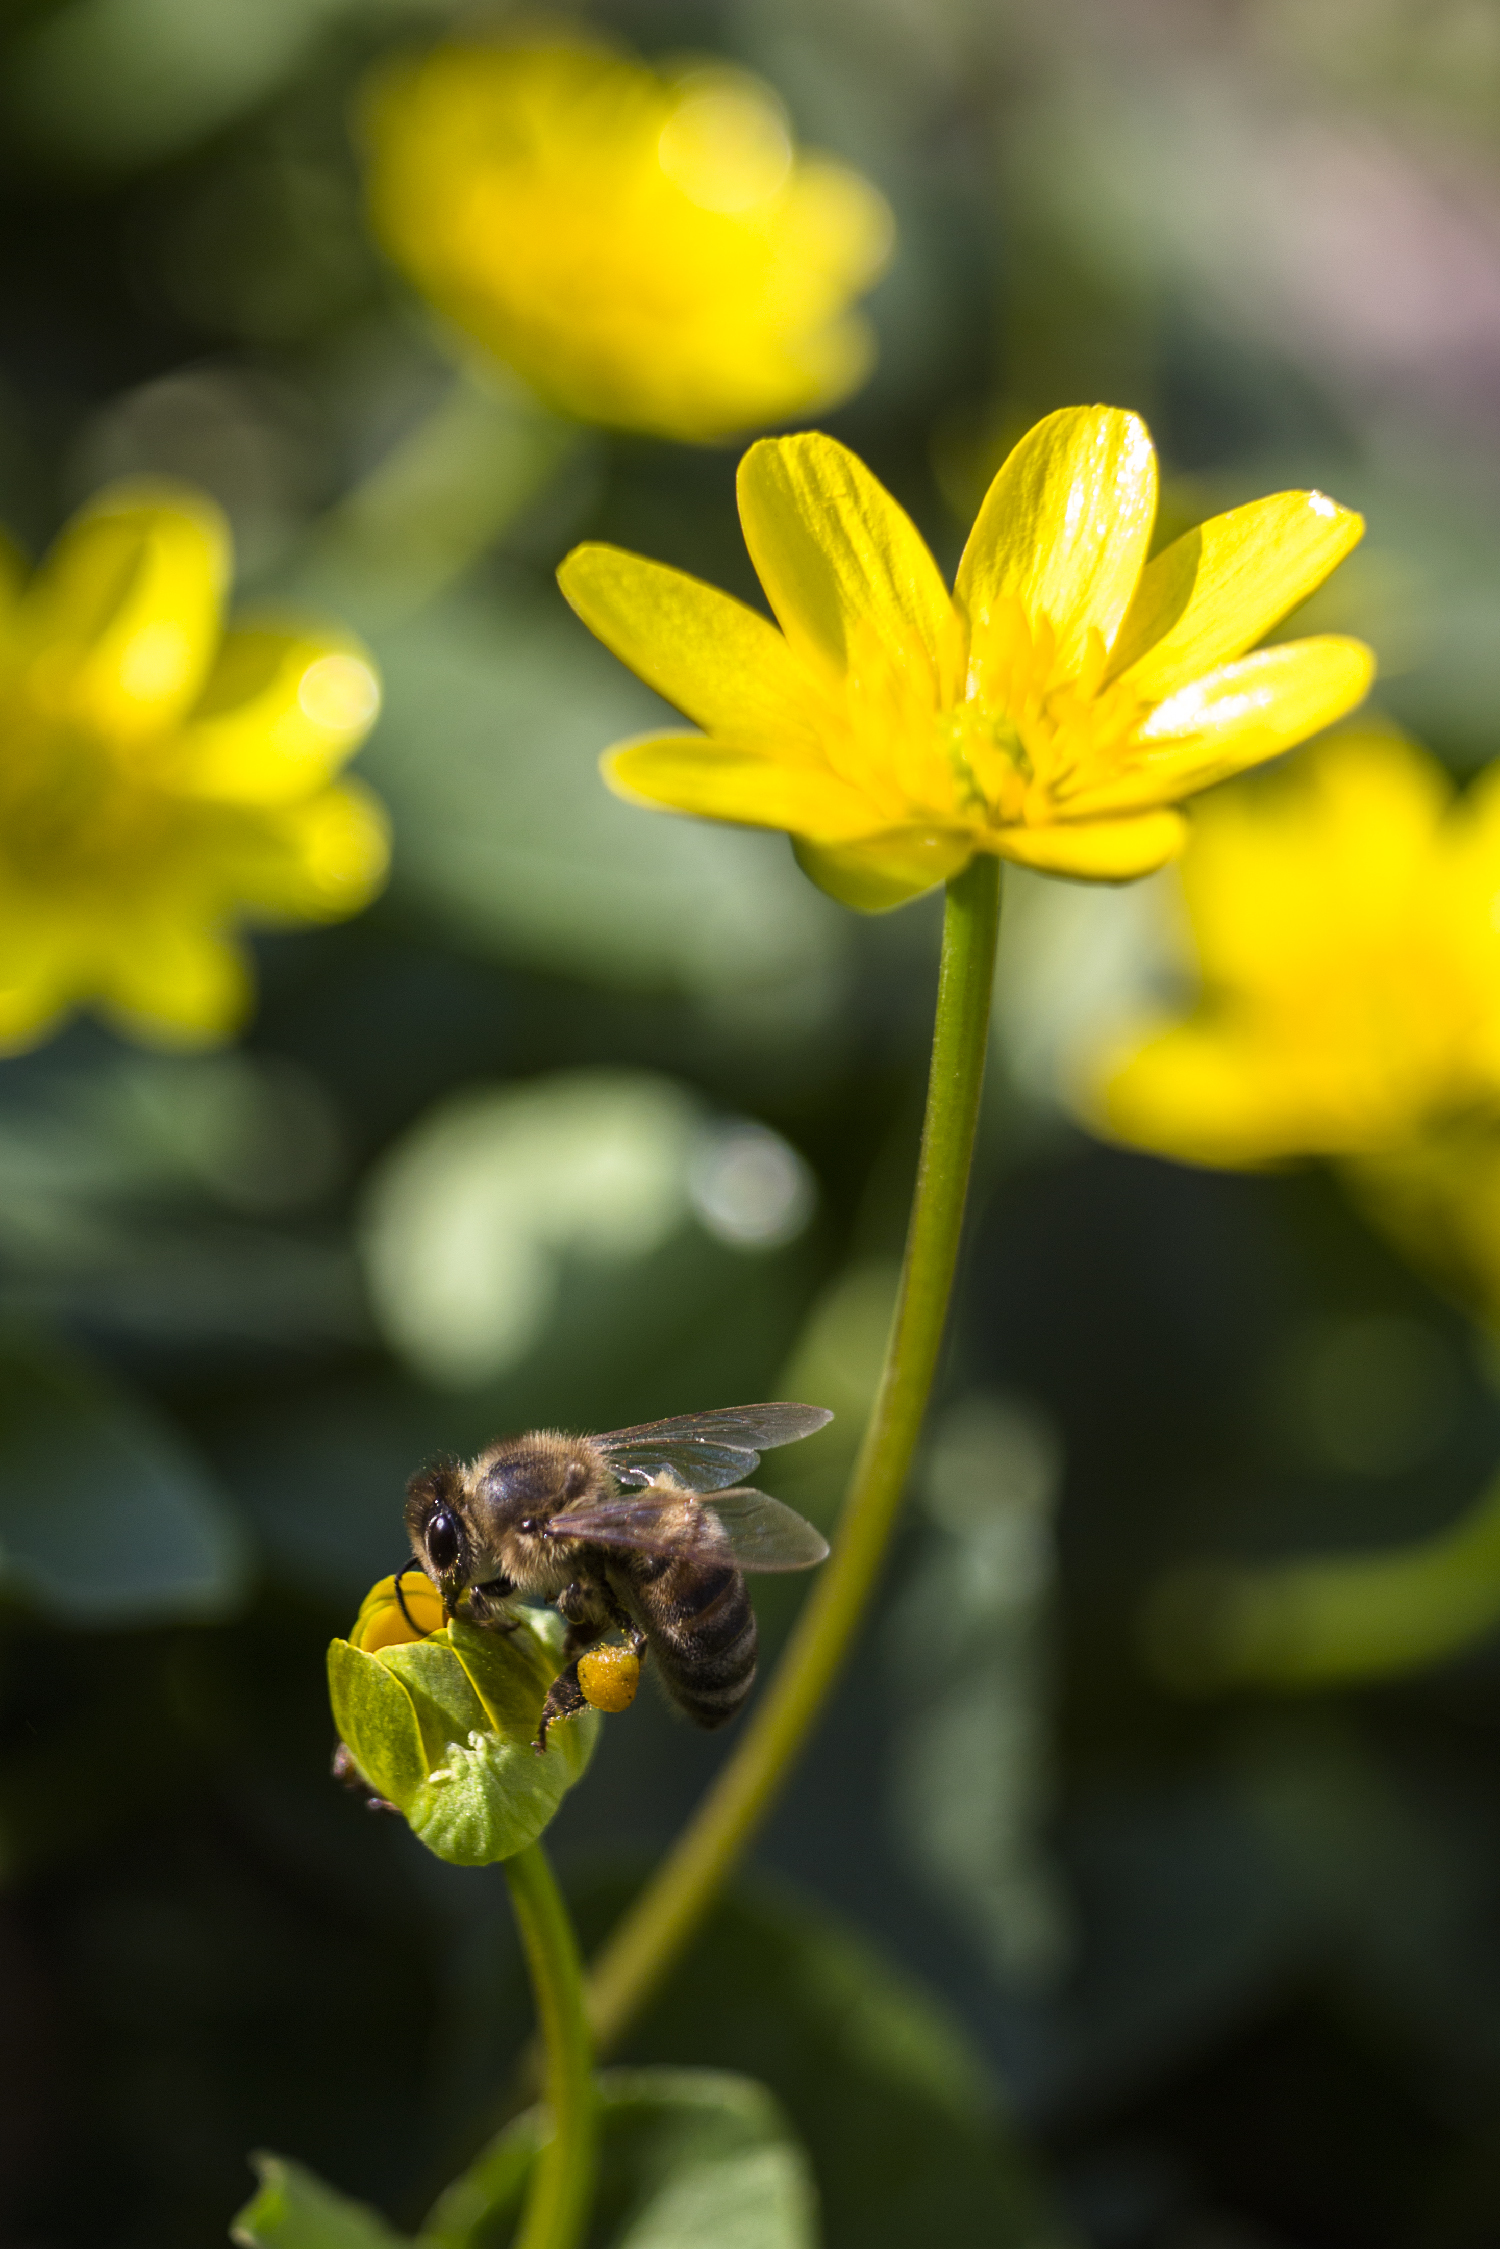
(1054, 709)
(645, 252)
(1345, 916)
(1346, 923)
(161, 776)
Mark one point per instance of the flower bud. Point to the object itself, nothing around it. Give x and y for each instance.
(439, 1721)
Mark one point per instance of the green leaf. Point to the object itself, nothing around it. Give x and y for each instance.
(107, 1516)
(472, 2210)
(293, 2209)
(901, 2116)
(686, 2157)
(120, 83)
(444, 1727)
(697, 2156)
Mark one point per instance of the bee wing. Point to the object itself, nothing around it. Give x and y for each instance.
(762, 1534)
(708, 1450)
(765, 1534)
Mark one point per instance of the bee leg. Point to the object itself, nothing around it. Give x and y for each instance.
(579, 1606)
(564, 1697)
(485, 1604)
(625, 1622)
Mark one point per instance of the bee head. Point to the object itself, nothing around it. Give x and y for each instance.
(435, 1522)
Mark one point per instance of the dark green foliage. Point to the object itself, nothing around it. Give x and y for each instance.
(686, 2157)
(106, 1515)
(901, 2114)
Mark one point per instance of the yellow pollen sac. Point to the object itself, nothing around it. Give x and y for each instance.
(609, 1677)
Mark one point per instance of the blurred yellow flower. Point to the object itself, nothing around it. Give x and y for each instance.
(646, 252)
(1053, 710)
(162, 776)
(1345, 918)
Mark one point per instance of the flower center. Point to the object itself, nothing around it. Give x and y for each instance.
(1027, 736)
(69, 816)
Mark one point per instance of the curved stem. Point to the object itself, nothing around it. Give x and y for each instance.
(665, 1917)
(445, 492)
(562, 2179)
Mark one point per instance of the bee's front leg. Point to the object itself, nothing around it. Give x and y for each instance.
(485, 1604)
(579, 1605)
(564, 1697)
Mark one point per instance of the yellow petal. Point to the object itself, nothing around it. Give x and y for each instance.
(397, 1611)
(1212, 1097)
(689, 773)
(1354, 832)
(120, 623)
(282, 711)
(720, 664)
(319, 859)
(1217, 590)
(836, 235)
(1064, 528)
(1096, 850)
(887, 870)
(14, 572)
(29, 1013)
(831, 548)
(35, 989)
(175, 984)
(1237, 716)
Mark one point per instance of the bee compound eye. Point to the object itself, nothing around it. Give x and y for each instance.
(442, 1541)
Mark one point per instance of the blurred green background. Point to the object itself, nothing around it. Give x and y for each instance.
(599, 1115)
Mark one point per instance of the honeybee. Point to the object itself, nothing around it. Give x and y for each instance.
(616, 1533)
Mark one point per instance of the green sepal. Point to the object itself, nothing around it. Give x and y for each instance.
(293, 2209)
(441, 1692)
(511, 1671)
(377, 1721)
(443, 1728)
(875, 877)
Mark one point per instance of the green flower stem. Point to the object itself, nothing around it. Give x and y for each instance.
(444, 493)
(562, 2180)
(1327, 1619)
(665, 1917)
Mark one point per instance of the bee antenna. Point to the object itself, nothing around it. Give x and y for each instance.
(401, 1600)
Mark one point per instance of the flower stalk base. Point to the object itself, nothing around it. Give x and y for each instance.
(562, 2180)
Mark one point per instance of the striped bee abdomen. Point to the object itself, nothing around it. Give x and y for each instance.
(701, 1628)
